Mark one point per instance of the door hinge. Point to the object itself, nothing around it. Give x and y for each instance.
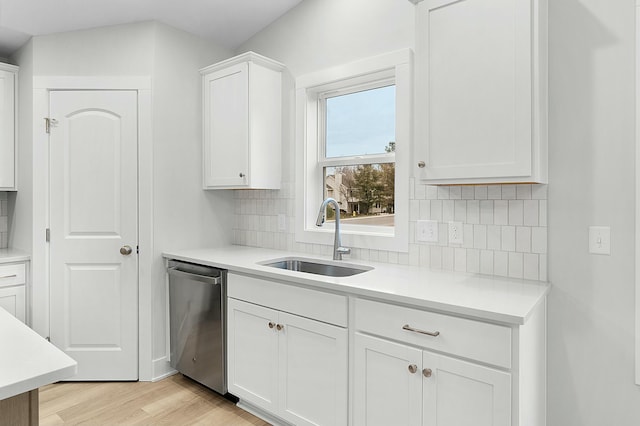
(47, 235)
(48, 339)
(137, 249)
(48, 123)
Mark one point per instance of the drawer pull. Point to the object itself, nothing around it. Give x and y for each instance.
(279, 327)
(272, 324)
(9, 276)
(415, 330)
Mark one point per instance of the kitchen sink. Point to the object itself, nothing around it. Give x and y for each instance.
(318, 267)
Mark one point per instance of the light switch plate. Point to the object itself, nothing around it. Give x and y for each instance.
(600, 240)
(427, 231)
(455, 233)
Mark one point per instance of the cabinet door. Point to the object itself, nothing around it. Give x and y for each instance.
(313, 372)
(13, 300)
(464, 394)
(252, 348)
(386, 391)
(474, 109)
(226, 127)
(7, 130)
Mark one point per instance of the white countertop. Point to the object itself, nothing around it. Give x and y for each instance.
(27, 360)
(12, 255)
(487, 297)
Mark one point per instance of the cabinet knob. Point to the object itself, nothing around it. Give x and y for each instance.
(427, 372)
(421, 164)
(241, 175)
(272, 324)
(279, 327)
(413, 368)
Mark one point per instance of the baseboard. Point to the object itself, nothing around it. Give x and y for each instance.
(258, 412)
(162, 369)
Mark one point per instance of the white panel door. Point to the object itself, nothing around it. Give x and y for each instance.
(252, 347)
(93, 221)
(7, 130)
(226, 127)
(313, 372)
(461, 393)
(387, 392)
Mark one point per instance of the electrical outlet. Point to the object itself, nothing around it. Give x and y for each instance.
(455, 232)
(600, 240)
(427, 231)
(282, 222)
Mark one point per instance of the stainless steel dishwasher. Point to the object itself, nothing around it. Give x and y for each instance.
(197, 310)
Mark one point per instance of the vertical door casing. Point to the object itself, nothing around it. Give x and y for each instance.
(252, 364)
(93, 214)
(386, 392)
(463, 393)
(226, 127)
(475, 91)
(7, 130)
(312, 372)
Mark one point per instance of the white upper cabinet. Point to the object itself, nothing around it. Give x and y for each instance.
(481, 84)
(8, 96)
(242, 123)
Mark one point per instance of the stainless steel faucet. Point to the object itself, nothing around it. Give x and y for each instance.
(338, 250)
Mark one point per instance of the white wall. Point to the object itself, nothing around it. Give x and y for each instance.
(591, 175)
(183, 214)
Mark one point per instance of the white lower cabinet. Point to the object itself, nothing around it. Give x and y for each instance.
(400, 384)
(13, 289)
(286, 365)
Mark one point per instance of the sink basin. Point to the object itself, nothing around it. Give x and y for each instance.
(318, 267)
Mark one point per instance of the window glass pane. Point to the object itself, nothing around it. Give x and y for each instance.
(366, 193)
(361, 123)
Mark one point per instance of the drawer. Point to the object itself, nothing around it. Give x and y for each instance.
(489, 343)
(326, 307)
(12, 274)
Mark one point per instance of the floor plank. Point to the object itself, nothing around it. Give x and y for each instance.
(176, 400)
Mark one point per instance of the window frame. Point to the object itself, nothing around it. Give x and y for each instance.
(311, 91)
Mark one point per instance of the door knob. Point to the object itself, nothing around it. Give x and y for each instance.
(413, 368)
(126, 250)
(427, 372)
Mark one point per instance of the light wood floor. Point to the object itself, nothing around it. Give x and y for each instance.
(175, 400)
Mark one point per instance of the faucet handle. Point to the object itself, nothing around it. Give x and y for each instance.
(343, 250)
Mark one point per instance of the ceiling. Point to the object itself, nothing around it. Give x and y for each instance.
(227, 22)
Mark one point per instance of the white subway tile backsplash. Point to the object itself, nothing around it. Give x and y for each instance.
(486, 212)
(481, 192)
(508, 242)
(500, 263)
(531, 267)
(455, 192)
(480, 236)
(523, 239)
(516, 212)
(443, 192)
(468, 193)
(460, 260)
(504, 228)
(494, 237)
(448, 210)
(531, 215)
(494, 192)
(460, 210)
(523, 192)
(473, 261)
(501, 212)
(473, 211)
(516, 265)
(486, 262)
(508, 192)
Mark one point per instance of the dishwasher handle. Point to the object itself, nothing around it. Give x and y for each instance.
(202, 278)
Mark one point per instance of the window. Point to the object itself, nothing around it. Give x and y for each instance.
(354, 127)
